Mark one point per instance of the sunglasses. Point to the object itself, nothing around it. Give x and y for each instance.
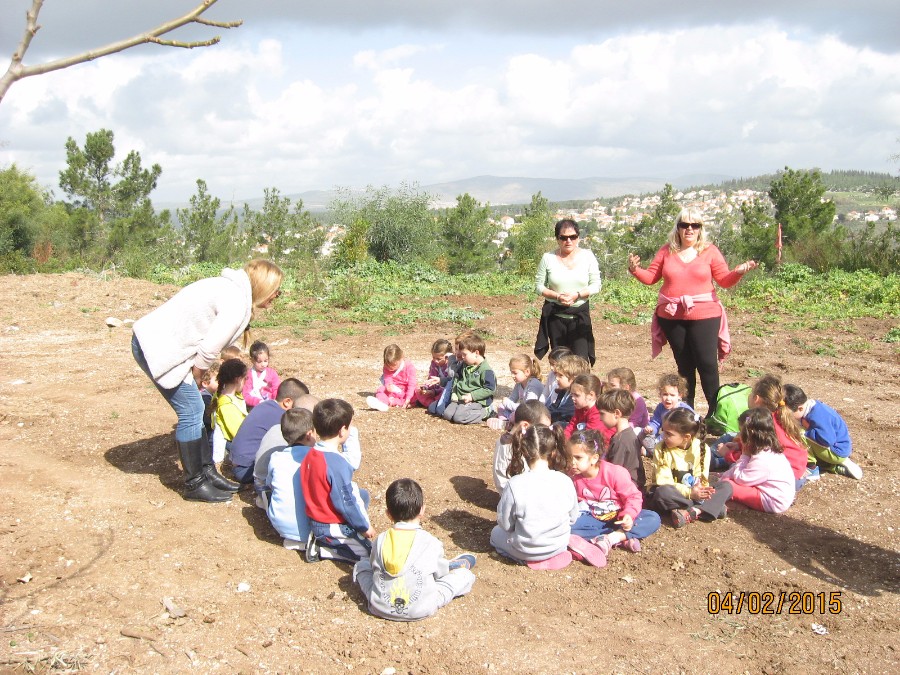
(693, 226)
(567, 237)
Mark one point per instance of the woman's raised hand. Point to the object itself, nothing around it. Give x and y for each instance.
(743, 268)
(634, 261)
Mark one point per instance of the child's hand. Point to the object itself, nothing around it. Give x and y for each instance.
(370, 533)
(698, 493)
(466, 398)
(393, 389)
(627, 522)
(431, 381)
(648, 430)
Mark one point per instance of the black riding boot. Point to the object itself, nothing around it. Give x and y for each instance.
(196, 485)
(210, 471)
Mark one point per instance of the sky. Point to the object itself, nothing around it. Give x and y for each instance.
(318, 94)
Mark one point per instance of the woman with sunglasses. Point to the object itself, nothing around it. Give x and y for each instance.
(688, 315)
(566, 279)
(175, 345)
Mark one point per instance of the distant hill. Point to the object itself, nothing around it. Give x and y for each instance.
(500, 190)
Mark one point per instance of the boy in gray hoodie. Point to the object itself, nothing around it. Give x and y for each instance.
(407, 578)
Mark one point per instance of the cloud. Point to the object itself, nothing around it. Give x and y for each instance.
(735, 100)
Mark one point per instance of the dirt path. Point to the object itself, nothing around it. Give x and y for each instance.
(92, 512)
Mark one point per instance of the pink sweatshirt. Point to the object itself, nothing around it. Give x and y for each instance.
(693, 278)
(404, 377)
(613, 482)
(771, 474)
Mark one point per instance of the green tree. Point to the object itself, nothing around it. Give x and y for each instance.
(756, 238)
(531, 238)
(800, 204)
(291, 234)
(353, 247)
(647, 236)
(119, 196)
(467, 233)
(208, 236)
(21, 207)
(398, 225)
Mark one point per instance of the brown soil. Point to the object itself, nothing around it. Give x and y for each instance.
(92, 513)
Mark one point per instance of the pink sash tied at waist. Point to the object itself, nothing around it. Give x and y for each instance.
(670, 307)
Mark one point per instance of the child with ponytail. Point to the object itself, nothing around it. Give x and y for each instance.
(538, 506)
(768, 392)
(762, 478)
(682, 488)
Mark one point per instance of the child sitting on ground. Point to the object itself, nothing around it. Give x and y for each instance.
(552, 359)
(262, 381)
(585, 390)
(286, 505)
(762, 478)
(337, 508)
(473, 388)
(227, 407)
(672, 388)
(529, 413)
(682, 488)
(407, 578)
(398, 382)
(831, 445)
(538, 507)
(610, 503)
(623, 378)
(616, 406)
(560, 405)
(526, 374)
(439, 374)
(209, 385)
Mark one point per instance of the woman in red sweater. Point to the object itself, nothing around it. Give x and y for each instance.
(688, 315)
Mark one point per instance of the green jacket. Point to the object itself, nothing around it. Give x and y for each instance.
(479, 381)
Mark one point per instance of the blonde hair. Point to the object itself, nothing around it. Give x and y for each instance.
(527, 363)
(688, 215)
(392, 354)
(265, 279)
(572, 366)
(770, 391)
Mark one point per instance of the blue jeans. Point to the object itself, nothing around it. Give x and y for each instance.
(185, 400)
(589, 527)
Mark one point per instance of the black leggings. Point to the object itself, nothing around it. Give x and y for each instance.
(695, 345)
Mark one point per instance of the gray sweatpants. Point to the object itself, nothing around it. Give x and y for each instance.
(454, 584)
(464, 413)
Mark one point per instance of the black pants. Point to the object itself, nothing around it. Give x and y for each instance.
(665, 498)
(695, 345)
(574, 330)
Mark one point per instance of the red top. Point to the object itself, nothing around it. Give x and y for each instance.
(590, 419)
(693, 278)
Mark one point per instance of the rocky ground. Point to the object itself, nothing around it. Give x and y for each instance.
(105, 568)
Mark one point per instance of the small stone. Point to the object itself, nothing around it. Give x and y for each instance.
(267, 643)
(209, 619)
(389, 671)
(113, 322)
(243, 587)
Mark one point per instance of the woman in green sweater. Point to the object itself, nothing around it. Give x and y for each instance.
(566, 278)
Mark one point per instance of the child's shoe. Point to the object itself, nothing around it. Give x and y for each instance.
(812, 474)
(633, 545)
(312, 549)
(496, 423)
(682, 517)
(375, 404)
(557, 562)
(591, 553)
(293, 545)
(465, 561)
(848, 468)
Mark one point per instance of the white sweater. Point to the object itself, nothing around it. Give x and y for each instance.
(192, 327)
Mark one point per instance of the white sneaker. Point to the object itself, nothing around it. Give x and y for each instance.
(849, 468)
(375, 404)
(293, 545)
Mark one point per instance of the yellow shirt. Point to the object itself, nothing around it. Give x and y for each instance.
(672, 464)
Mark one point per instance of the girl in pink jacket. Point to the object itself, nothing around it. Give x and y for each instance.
(398, 382)
(762, 478)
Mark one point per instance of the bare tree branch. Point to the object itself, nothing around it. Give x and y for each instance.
(17, 70)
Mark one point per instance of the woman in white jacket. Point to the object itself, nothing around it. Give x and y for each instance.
(175, 345)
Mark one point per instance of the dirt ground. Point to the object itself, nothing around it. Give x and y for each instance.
(92, 517)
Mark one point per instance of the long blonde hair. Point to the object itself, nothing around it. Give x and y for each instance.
(265, 280)
(688, 215)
